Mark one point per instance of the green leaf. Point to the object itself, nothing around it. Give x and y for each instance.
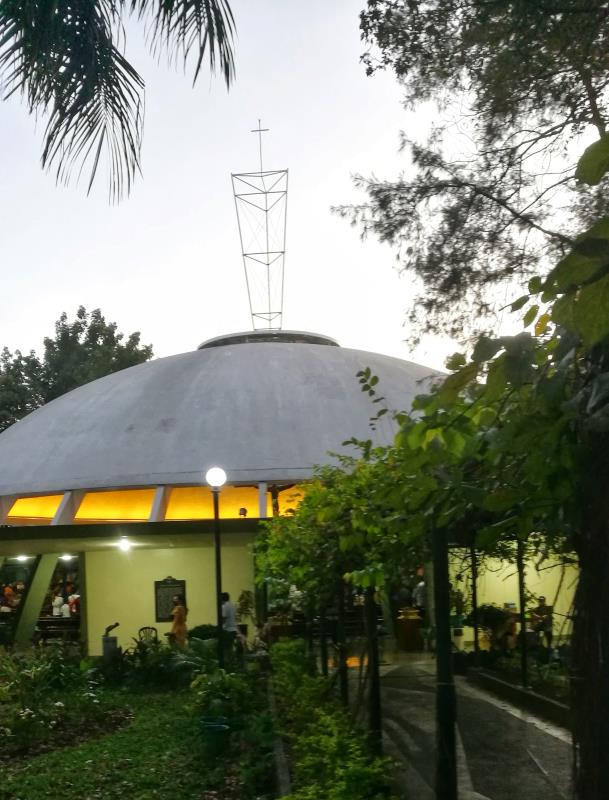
(592, 247)
(455, 442)
(496, 380)
(563, 311)
(414, 437)
(460, 379)
(600, 230)
(591, 312)
(518, 304)
(487, 538)
(518, 368)
(594, 162)
(530, 315)
(573, 270)
(535, 284)
(501, 500)
(485, 349)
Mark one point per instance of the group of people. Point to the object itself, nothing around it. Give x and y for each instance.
(10, 596)
(65, 600)
(179, 629)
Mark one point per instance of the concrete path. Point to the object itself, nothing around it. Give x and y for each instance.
(503, 753)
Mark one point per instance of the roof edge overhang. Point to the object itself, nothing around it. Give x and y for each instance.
(236, 477)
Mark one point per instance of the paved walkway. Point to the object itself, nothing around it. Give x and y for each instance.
(503, 753)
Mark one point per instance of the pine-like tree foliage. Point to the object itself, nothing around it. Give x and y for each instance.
(492, 193)
(82, 350)
(65, 57)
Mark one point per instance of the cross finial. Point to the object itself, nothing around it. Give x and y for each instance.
(260, 130)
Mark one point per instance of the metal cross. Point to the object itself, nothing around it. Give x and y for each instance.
(259, 130)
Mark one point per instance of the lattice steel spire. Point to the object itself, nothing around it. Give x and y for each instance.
(261, 204)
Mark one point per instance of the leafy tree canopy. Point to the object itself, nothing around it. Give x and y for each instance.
(81, 351)
(493, 193)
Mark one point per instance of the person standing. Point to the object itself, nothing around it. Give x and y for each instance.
(419, 598)
(178, 627)
(542, 619)
(229, 616)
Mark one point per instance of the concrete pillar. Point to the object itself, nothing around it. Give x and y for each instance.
(6, 504)
(262, 490)
(159, 504)
(67, 508)
(30, 610)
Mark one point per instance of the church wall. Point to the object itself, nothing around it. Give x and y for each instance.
(120, 586)
(498, 585)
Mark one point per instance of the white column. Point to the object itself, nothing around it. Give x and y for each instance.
(262, 490)
(159, 504)
(68, 507)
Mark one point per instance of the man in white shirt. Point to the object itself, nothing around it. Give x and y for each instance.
(229, 615)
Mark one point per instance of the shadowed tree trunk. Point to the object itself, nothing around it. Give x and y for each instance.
(341, 646)
(374, 690)
(590, 667)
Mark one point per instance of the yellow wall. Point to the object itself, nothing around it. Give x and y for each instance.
(120, 586)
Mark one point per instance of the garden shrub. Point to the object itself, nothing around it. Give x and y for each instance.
(330, 755)
(159, 666)
(46, 696)
(222, 694)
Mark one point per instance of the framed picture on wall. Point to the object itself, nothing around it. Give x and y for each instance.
(164, 592)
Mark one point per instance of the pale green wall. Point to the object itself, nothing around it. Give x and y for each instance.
(498, 584)
(120, 586)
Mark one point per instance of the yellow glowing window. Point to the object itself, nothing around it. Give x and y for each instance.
(125, 505)
(290, 499)
(36, 509)
(196, 502)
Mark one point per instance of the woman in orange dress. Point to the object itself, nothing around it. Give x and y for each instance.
(179, 614)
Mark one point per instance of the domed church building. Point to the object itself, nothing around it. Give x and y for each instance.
(103, 491)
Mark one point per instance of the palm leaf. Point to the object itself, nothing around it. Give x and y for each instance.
(183, 26)
(61, 55)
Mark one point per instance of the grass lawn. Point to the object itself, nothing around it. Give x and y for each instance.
(158, 756)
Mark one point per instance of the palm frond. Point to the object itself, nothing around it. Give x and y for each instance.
(62, 56)
(203, 26)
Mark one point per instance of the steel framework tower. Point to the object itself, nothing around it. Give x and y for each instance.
(261, 204)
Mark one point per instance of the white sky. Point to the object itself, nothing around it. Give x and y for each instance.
(166, 261)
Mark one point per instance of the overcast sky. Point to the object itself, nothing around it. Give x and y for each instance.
(166, 261)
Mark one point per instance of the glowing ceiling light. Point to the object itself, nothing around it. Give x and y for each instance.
(66, 557)
(22, 558)
(124, 544)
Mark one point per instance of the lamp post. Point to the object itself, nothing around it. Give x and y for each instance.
(216, 478)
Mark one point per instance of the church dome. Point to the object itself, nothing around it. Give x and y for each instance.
(266, 405)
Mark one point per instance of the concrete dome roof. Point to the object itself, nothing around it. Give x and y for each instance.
(266, 406)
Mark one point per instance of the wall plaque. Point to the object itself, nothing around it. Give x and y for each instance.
(164, 592)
